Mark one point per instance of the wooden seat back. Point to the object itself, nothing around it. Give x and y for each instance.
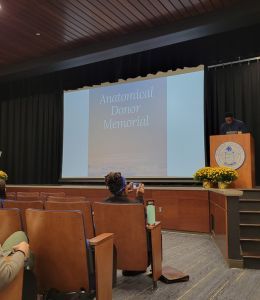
(83, 206)
(57, 239)
(23, 205)
(127, 222)
(45, 195)
(10, 222)
(67, 198)
(14, 290)
(11, 195)
(27, 196)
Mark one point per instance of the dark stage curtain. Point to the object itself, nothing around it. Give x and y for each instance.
(235, 88)
(31, 135)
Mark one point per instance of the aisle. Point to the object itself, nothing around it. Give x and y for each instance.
(210, 278)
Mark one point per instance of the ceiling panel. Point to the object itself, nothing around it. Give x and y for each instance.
(67, 24)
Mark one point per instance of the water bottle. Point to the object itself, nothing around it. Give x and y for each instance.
(150, 210)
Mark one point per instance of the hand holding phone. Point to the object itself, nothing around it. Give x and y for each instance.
(140, 190)
(135, 185)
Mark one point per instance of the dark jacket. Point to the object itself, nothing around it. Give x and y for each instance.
(123, 200)
(237, 125)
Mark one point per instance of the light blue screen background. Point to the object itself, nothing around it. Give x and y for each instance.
(185, 124)
(185, 128)
(75, 134)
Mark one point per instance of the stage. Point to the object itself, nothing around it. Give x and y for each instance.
(178, 208)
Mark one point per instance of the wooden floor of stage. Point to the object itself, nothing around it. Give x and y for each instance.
(210, 277)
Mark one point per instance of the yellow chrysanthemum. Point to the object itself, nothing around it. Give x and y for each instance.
(3, 175)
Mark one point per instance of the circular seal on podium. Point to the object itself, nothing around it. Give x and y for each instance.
(230, 154)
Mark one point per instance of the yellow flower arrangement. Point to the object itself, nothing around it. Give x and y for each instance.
(216, 174)
(224, 174)
(3, 175)
(204, 174)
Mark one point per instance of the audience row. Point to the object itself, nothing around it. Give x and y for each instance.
(76, 244)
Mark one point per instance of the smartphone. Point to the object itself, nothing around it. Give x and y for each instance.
(135, 185)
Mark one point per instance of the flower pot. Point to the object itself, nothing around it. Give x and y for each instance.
(223, 185)
(207, 184)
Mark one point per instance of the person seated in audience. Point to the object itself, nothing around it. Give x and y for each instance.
(119, 189)
(2, 189)
(15, 255)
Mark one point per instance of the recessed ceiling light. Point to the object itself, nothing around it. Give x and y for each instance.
(37, 33)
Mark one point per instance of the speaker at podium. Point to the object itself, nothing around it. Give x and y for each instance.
(236, 151)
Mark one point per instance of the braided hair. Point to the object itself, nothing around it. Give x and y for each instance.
(115, 183)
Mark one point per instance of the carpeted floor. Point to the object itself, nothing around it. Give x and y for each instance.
(210, 277)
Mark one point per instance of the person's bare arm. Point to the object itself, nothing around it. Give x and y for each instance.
(22, 247)
(140, 193)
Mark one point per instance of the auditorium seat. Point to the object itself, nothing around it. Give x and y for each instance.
(28, 196)
(84, 206)
(23, 205)
(128, 223)
(14, 290)
(58, 241)
(67, 198)
(45, 195)
(10, 195)
(10, 222)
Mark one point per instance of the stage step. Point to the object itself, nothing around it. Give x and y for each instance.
(250, 245)
(251, 260)
(249, 231)
(249, 216)
(249, 199)
(249, 204)
(251, 194)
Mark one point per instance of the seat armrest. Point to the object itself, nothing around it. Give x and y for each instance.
(156, 247)
(101, 238)
(103, 246)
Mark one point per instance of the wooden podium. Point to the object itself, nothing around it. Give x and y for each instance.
(236, 151)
